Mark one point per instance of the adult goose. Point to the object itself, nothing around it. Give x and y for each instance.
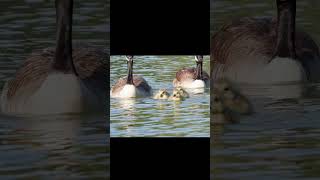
(61, 79)
(265, 50)
(131, 85)
(192, 77)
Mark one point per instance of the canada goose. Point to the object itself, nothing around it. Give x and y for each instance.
(192, 77)
(176, 96)
(182, 92)
(162, 94)
(265, 50)
(232, 99)
(131, 85)
(60, 80)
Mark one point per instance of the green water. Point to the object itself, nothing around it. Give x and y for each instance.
(146, 117)
(281, 139)
(54, 147)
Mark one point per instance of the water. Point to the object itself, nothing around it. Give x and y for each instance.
(42, 147)
(281, 139)
(149, 117)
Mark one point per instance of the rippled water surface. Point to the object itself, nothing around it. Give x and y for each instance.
(66, 146)
(281, 140)
(149, 117)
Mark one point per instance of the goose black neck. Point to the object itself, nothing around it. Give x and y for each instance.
(130, 71)
(199, 71)
(285, 43)
(63, 55)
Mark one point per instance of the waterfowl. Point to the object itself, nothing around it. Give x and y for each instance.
(61, 79)
(232, 98)
(131, 85)
(162, 94)
(218, 112)
(181, 91)
(265, 50)
(192, 77)
(176, 96)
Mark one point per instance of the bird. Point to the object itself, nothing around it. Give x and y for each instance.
(192, 77)
(131, 86)
(219, 113)
(231, 97)
(162, 94)
(265, 50)
(61, 79)
(176, 96)
(183, 92)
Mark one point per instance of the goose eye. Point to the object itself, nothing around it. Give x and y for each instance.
(174, 95)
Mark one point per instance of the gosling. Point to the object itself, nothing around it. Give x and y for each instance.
(182, 92)
(176, 96)
(219, 113)
(162, 94)
(232, 99)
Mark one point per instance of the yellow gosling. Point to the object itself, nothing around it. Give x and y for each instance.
(162, 94)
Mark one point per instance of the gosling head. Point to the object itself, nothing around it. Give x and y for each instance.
(217, 106)
(176, 96)
(182, 92)
(224, 89)
(162, 94)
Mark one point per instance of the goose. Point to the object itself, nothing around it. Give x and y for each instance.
(176, 96)
(183, 92)
(192, 77)
(265, 50)
(131, 85)
(232, 98)
(218, 112)
(162, 94)
(61, 79)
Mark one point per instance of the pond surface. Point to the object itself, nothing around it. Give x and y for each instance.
(281, 139)
(42, 147)
(149, 117)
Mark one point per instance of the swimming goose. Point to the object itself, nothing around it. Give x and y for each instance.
(232, 98)
(192, 77)
(162, 94)
(181, 91)
(60, 80)
(131, 85)
(219, 113)
(265, 50)
(176, 96)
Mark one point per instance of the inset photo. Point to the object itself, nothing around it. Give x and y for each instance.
(159, 96)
